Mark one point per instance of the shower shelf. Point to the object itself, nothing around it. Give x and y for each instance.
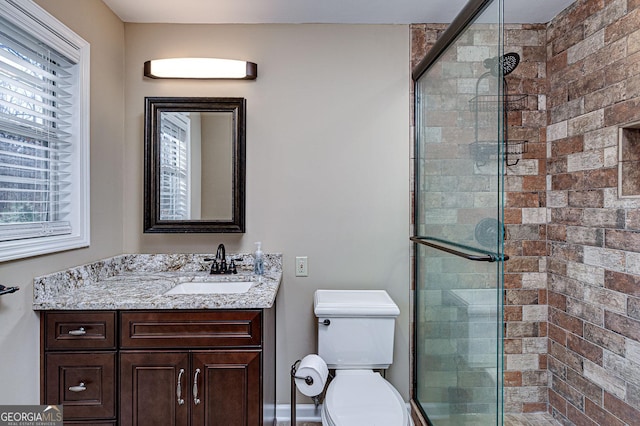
(482, 151)
(491, 103)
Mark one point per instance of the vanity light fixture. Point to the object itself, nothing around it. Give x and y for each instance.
(201, 68)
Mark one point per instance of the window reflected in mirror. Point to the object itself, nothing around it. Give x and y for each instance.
(196, 147)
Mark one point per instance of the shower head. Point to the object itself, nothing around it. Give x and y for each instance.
(507, 62)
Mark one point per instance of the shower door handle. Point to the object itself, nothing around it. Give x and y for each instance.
(486, 256)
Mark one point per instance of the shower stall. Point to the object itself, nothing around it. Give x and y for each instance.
(461, 151)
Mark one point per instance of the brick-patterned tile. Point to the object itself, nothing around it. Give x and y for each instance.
(572, 395)
(578, 418)
(599, 415)
(622, 325)
(567, 146)
(557, 232)
(604, 338)
(622, 26)
(557, 402)
(621, 409)
(566, 357)
(557, 334)
(584, 348)
(623, 283)
(566, 322)
(512, 378)
(586, 198)
(534, 248)
(622, 240)
(513, 313)
(622, 112)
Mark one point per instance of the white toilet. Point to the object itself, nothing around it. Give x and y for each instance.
(355, 336)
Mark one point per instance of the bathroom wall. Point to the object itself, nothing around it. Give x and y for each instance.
(20, 330)
(593, 70)
(327, 161)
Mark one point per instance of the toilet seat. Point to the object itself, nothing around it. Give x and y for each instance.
(363, 398)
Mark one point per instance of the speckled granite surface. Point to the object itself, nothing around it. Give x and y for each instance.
(138, 281)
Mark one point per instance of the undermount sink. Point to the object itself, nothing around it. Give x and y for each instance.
(211, 287)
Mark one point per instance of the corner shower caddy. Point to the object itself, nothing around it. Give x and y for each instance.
(484, 150)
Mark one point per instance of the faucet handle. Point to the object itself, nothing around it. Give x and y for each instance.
(214, 265)
(232, 267)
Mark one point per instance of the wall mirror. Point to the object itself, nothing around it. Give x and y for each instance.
(194, 155)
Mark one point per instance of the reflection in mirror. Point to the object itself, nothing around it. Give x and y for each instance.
(196, 147)
(194, 165)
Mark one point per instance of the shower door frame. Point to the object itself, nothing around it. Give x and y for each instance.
(465, 17)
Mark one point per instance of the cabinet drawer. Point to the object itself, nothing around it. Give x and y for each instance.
(85, 383)
(190, 329)
(80, 330)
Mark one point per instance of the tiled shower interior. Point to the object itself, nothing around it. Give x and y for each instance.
(572, 284)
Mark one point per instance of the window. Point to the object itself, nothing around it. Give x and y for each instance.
(44, 133)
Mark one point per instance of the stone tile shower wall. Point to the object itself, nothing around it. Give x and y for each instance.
(525, 281)
(526, 377)
(593, 57)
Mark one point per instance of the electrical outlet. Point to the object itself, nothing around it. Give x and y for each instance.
(301, 266)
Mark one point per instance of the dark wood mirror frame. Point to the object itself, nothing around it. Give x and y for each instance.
(154, 106)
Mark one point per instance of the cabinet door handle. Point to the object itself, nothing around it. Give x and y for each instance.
(196, 400)
(79, 332)
(80, 388)
(179, 388)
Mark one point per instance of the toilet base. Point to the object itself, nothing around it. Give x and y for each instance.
(363, 398)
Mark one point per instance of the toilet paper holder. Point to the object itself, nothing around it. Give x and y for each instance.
(294, 368)
(308, 380)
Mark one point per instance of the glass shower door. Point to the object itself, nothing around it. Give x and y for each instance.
(458, 223)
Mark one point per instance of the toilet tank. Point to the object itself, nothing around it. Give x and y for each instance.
(355, 328)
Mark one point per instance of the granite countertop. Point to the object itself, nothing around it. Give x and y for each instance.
(138, 281)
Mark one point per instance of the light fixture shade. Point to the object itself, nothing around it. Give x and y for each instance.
(201, 68)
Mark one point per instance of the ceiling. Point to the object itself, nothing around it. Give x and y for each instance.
(320, 11)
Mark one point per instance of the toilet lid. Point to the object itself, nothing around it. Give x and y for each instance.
(363, 398)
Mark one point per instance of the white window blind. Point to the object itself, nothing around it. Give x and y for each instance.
(43, 132)
(35, 84)
(174, 166)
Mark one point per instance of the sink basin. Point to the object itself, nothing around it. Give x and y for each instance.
(211, 287)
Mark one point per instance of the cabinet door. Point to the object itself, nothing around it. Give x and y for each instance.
(85, 383)
(228, 387)
(153, 388)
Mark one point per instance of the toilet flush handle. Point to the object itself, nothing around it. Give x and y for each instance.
(325, 322)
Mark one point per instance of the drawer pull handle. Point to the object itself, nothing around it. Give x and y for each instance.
(79, 332)
(196, 400)
(80, 388)
(179, 388)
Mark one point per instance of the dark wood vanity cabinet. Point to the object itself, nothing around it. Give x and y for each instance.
(168, 367)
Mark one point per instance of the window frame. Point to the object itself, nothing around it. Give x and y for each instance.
(34, 20)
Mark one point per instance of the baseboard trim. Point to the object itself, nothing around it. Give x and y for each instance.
(304, 413)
